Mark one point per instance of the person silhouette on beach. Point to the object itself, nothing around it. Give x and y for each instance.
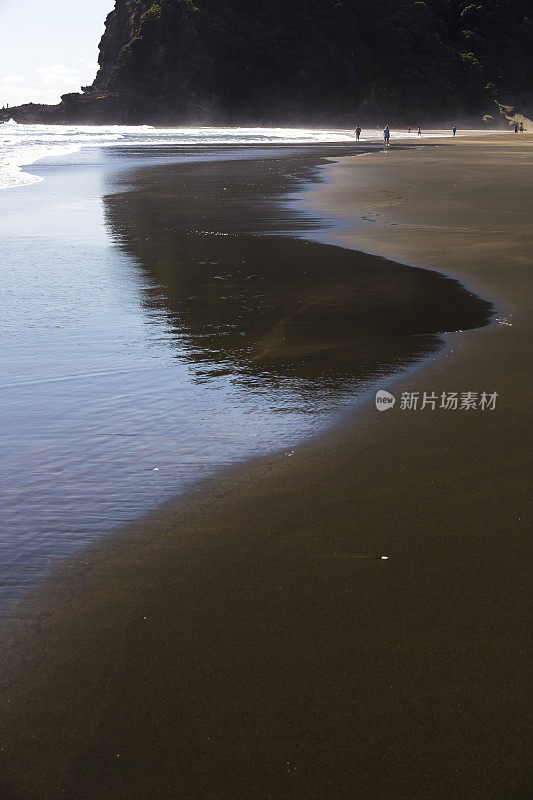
(386, 136)
(357, 132)
(516, 127)
(419, 131)
(409, 129)
(521, 127)
(454, 130)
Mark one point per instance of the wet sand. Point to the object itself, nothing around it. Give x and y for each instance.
(246, 642)
(199, 345)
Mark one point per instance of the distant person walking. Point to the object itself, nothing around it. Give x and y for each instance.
(454, 130)
(386, 136)
(521, 128)
(357, 132)
(516, 127)
(419, 131)
(409, 129)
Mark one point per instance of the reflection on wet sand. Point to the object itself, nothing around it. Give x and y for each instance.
(245, 299)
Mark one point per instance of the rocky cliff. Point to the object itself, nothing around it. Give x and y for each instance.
(304, 61)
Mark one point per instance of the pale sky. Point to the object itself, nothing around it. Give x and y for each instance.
(48, 47)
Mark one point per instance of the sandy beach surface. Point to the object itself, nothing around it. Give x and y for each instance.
(248, 641)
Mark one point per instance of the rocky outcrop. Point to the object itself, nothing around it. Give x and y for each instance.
(303, 61)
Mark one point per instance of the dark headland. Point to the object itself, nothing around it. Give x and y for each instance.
(305, 62)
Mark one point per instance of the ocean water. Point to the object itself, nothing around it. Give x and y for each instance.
(163, 316)
(22, 145)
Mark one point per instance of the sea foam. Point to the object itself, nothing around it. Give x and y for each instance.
(23, 145)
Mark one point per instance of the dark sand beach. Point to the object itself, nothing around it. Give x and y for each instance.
(183, 326)
(247, 641)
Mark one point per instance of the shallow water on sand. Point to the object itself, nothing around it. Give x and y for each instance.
(161, 322)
